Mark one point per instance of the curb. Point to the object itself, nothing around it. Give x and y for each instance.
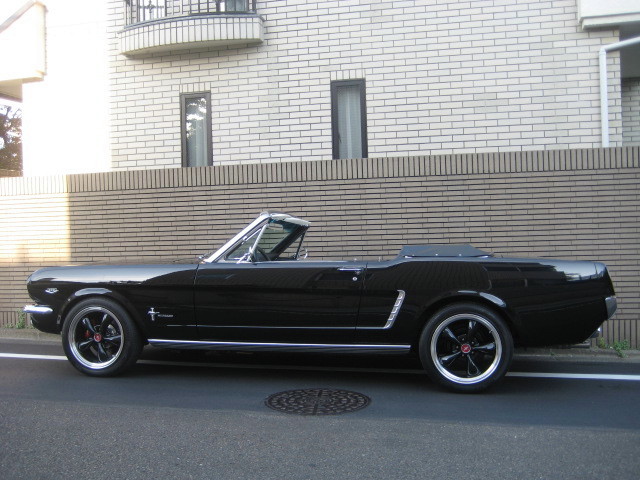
(27, 334)
(578, 355)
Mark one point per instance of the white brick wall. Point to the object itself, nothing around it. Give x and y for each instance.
(441, 76)
(631, 111)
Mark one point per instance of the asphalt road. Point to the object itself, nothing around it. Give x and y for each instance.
(198, 415)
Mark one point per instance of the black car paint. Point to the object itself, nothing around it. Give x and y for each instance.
(545, 302)
(285, 301)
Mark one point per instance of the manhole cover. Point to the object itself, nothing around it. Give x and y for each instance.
(317, 401)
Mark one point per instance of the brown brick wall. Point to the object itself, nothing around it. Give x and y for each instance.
(576, 204)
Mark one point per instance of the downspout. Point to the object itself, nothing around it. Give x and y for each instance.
(604, 95)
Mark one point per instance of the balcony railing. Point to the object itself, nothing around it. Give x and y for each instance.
(149, 10)
(160, 26)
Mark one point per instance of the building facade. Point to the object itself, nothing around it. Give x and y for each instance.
(308, 80)
(139, 84)
(472, 122)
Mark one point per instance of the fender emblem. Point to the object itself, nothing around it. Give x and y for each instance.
(153, 314)
(51, 290)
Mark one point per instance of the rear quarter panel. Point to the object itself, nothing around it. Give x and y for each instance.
(425, 282)
(545, 302)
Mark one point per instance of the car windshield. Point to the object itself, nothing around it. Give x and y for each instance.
(277, 240)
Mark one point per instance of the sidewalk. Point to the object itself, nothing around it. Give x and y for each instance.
(27, 334)
(575, 354)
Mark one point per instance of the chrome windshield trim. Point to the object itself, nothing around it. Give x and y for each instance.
(218, 254)
(252, 249)
(392, 316)
(37, 309)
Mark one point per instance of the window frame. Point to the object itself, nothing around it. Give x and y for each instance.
(184, 97)
(335, 84)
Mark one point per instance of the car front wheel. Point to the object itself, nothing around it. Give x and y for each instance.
(99, 338)
(466, 347)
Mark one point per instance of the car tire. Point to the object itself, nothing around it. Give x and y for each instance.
(100, 338)
(466, 347)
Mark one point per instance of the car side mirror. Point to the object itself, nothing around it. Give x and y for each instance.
(303, 253)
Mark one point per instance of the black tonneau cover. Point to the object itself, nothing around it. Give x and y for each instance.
(442, 251)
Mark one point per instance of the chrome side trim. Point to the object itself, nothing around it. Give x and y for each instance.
(37, 309)
(612, 306)
(395, 310)
(392, 316)
(288, 347)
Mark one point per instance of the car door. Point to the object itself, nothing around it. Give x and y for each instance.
(278, 301)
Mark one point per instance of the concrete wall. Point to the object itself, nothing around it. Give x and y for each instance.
(575, 204)
(441, 77)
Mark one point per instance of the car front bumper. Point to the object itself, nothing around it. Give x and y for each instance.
(37, 309)
(43, 318)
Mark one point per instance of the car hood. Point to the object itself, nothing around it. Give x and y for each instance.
(121, 273)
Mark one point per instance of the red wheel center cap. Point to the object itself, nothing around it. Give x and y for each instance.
(466, 348)
(97, 337)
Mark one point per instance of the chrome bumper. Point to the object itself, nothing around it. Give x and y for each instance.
(612, 306)
(37, 309)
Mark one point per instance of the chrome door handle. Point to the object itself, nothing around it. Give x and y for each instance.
(356, 270)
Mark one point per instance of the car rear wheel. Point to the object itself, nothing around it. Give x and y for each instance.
(99, 338)
(466, 347)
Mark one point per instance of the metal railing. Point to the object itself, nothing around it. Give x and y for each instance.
(148, 10)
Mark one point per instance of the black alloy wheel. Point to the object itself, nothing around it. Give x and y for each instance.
(99, 338)
(466, 347)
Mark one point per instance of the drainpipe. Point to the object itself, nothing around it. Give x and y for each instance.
(604, 96)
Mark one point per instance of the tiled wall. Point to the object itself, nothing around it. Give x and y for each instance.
(441, 77)
(575, 204)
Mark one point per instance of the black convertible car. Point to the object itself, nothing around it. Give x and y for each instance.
(459, 308)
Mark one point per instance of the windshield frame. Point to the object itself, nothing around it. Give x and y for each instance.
(260, 223)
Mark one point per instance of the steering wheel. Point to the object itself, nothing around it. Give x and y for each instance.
(260, 255)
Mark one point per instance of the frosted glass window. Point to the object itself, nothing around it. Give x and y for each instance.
(196, 134)
(349, 122)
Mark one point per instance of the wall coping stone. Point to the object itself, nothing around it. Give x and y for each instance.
(538, 161)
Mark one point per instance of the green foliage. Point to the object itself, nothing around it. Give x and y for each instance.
(21, 322)
(620, 347)
(10, 141)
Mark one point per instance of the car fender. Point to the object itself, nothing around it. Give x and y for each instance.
(100, 292)
(493, 301)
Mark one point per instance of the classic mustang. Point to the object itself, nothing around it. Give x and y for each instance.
(459, 308)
